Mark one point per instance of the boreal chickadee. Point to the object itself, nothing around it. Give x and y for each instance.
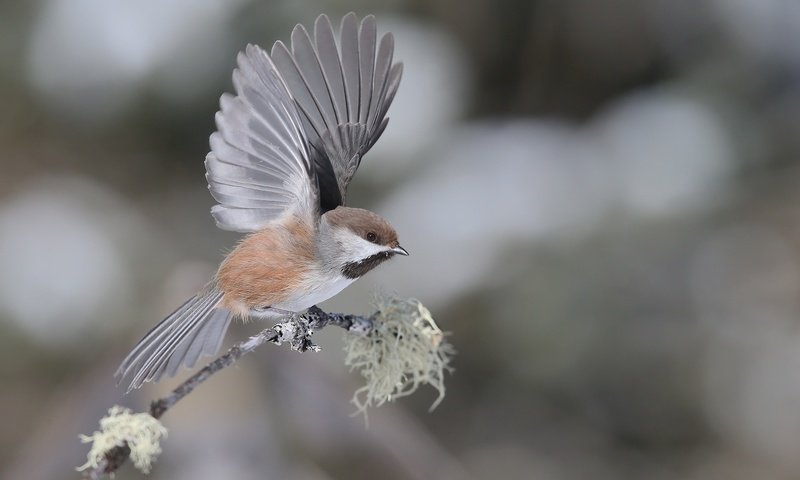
(286, 147)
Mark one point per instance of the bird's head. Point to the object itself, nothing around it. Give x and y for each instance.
(359, 240)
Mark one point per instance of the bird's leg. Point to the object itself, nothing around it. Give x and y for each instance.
(298, 328)
(295, 329)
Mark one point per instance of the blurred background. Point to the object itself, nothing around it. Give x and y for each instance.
(600, 199)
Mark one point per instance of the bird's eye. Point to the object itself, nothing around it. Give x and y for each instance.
(372, 237)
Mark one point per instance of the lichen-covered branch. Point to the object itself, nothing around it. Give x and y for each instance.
(295, 331)
(395, 350)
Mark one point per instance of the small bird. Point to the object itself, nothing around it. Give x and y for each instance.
(286, 147)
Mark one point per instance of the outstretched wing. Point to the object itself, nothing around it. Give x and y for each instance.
(342, 94)
(259, 168)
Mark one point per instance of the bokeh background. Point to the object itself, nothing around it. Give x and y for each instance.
(601, 201)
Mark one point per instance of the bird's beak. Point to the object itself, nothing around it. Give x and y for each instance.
(400, 250)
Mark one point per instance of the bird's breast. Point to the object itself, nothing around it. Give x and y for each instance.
(268, 267)
(277, 267)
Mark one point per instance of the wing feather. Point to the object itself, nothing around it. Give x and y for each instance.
(310, 68)
(318, 141)
(298, 87)
(293, 136)
(343, 94)
(325, 42)
(383, 63)
(366, 51)
(350, 64)
(259, 168)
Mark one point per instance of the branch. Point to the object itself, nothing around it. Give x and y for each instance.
(296, 331)
(395, 350)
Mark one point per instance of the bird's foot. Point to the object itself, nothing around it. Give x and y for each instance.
(296, 330)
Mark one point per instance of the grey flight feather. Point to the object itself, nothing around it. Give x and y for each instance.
(292, 138)
(259, 167)
(194, 330)
(343, 97)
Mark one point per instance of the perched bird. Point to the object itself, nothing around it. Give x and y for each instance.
(286, 147)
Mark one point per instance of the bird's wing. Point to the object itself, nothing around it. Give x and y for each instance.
(259, 168)
(342, 95)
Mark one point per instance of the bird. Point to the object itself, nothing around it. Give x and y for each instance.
(285, 149)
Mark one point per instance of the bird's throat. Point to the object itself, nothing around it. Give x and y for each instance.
(356, 269)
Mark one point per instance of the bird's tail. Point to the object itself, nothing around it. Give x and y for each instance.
(193, 330)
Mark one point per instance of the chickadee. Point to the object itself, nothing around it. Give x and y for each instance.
(285, 150)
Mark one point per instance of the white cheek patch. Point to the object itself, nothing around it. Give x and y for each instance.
(364, 249)
(354, 248)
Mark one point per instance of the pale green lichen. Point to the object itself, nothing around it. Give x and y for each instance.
(404, 350)
(140, 431)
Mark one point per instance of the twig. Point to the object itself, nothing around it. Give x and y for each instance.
(296, 331)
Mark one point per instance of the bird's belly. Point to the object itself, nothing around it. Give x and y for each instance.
(319, 293)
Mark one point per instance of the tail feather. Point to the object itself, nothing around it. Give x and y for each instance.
(183, 330)
(195, 329)
(205, 342)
